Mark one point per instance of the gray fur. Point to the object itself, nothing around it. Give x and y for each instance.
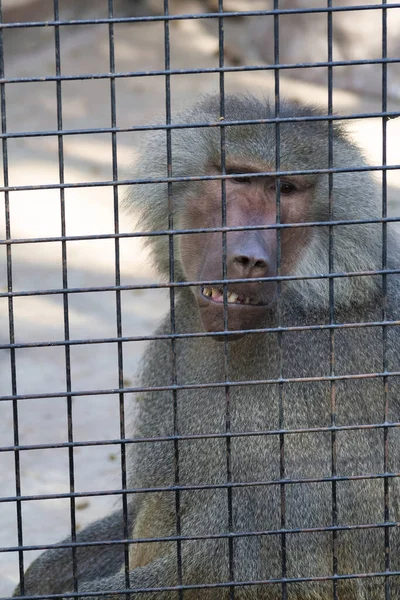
(256, 408)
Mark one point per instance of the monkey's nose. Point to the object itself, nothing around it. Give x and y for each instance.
(251, 255)
(253, 264)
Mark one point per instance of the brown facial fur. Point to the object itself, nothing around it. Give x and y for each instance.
(250, 254)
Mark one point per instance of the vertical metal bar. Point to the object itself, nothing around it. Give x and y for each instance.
(332, 304)
(65, 287)
(384, 306)
(282, 469)
(221, 60)
(127, 533)
(167, 65)
(17, 467)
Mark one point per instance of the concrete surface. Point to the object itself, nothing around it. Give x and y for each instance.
(32, 107)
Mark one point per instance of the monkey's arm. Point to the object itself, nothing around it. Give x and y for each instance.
(101, 568)
(51, 573)
(99, 571)
(160, 573)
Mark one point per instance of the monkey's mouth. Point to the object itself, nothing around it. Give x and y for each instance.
(214, 294)
(247, 307)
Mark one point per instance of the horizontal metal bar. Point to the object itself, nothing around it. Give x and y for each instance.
(177, 126)
(113, 183)
(210, 282)
(207, 586)
(202, 436)
(169, 232)
(201, 71)
(198, 16)
(205, 486)
(171, 336)
(216, 536)
(201, 386)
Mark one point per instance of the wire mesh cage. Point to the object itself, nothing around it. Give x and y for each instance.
(254, 451)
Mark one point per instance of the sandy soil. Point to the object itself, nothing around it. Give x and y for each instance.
(34, 161)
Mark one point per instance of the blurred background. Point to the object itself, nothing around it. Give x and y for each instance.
(33, 161)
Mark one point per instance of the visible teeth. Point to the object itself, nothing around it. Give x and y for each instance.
(232, 297)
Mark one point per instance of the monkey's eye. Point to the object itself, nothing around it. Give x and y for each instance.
(242, 180)
(286, 188)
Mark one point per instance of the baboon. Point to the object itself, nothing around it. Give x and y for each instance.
(308, 500)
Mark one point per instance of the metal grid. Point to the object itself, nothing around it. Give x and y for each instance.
(227, 384)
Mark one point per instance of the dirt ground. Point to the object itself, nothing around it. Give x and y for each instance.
(34, 161)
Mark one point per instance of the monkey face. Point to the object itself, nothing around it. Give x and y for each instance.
(247, 254)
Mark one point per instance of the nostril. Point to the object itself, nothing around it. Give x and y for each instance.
(250, 262)
(243, 260)
(260, 264)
